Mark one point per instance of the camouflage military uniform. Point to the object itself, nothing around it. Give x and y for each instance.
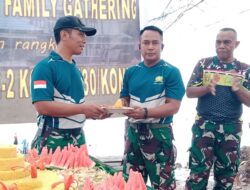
(52, 138)
(212, 139)
(150, 150)
(217, 128)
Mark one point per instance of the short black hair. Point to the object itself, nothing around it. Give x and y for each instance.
(229, 29)
(57, 34)
(153, 28)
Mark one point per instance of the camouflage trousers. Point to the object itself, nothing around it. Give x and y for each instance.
(218, 145)
(52, 138)
(150, 151)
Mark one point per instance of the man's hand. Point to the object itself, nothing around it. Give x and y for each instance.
(94, 111)
(212, 85)
(242, 93)
(236, 84)
(136, 113)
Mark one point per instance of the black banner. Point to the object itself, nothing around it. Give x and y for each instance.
(26, 37)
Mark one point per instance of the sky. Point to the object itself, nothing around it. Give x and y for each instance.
(193, 38)
(194, 35)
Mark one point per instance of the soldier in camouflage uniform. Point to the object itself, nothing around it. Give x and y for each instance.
(57, 89)
(222, 85)
(155, 89)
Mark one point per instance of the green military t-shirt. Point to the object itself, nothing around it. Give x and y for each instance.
(150, 86)
(54, 79)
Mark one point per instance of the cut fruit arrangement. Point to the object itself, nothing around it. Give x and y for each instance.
(68, 157)
(68, 169)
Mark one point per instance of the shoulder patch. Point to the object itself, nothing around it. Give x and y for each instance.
(40, 84)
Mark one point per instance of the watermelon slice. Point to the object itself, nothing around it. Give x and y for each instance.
(49, 158)
(135, 181)
(56, 156)
(64, 158)
(70, 161)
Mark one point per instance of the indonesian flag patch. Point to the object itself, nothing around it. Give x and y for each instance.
(40, 84)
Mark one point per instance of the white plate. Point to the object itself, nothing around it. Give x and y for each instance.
(118, 110)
